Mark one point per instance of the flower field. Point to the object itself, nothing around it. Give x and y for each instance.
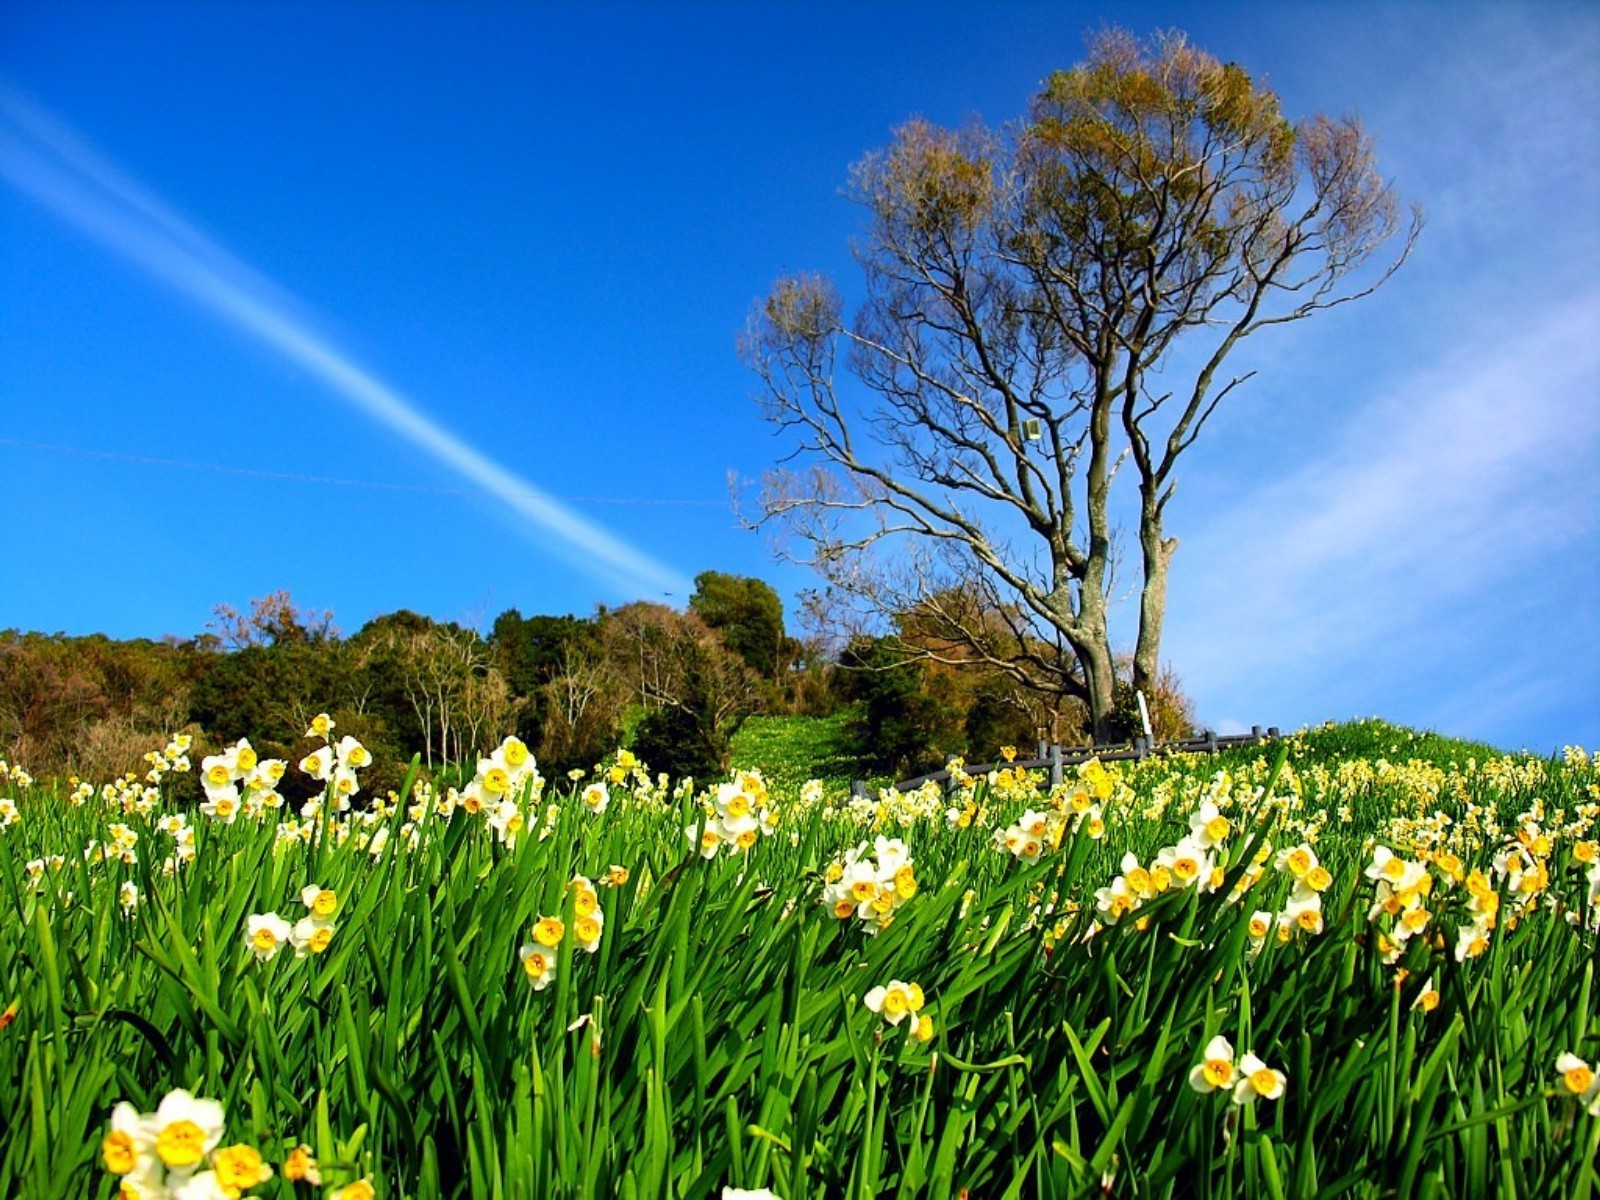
(1359, 963)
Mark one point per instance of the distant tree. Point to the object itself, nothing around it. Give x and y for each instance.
(531, 652)
(909, 718)
(673, 660)
(1045, 304)
(273, 620)
(748, 615)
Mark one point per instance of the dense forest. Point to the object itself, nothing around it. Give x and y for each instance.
(673, 686)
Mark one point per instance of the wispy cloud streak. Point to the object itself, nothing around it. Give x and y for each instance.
(48, 162)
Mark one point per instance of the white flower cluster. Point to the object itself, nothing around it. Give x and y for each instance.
(870, 888)
(738, 813)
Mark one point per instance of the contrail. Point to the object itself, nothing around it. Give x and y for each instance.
(48, 162)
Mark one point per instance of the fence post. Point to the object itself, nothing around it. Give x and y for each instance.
(1141, 747)
(1211, 741)
(1055, 766)
(858, 789)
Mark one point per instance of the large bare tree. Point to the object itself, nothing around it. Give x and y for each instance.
(1045, 305)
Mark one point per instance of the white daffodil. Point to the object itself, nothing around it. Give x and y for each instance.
(1216, 1068)
(1256, 1079)
(185, 1129)
(265, 934)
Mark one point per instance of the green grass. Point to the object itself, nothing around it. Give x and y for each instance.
(718, 1035)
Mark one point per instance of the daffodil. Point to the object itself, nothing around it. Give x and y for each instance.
(539, 964)
(1579, 1080)
(1256, 1079)
(1216, 1068)
(185, 1129)
(895, 1000)
(265, 934)
(300, 1166)
(310, 936)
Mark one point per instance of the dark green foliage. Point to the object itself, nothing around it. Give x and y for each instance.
(910, 719)
(748, 616)
(671, 740)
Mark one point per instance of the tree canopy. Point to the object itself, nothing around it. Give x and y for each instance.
(1045, 304)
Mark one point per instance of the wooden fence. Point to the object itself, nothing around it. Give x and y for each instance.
(1056, 757)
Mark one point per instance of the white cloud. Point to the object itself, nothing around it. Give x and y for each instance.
(46, 161)
(1433, 505)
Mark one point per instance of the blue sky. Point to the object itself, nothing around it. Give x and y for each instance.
(434, 307)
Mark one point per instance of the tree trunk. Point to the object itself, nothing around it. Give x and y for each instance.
(1157, 553)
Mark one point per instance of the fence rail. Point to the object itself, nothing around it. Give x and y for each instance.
(1057, 757)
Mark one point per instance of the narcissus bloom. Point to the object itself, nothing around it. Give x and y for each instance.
(265, 934)
(895, 1001)
(310, 936)
(322, 902)
(1257, 1079)
(539, 964)
(239, 1167)
(300, 1165)
(129, 1143)
(185, 1129)
(1215, 1069)
(319, 764)
(1578, 1079)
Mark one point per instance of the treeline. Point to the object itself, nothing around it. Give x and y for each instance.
(674, 686)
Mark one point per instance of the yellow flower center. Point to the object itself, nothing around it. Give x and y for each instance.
(1217, 828)
(537, 967)
(1258, 927)
(325, 904)
(320, 939)
(1264, 1081)
(218, 775)
(239, 1167)
(844, 909)
(1578, 1080)
(118, 1152)
(247, 758)
(585, 902)
(924, 1029)
(516, 752)
(1185, 869)
(588, 929)
(894, 1003)
(181, 1144)
(549, 931)
(496, 781)
(1299, 862)
(263, 940)
(1318, 878)
(1218, 1072)
(298, 1164)
(1428, 1001)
